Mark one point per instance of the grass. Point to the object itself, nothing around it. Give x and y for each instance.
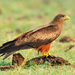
(37, 12)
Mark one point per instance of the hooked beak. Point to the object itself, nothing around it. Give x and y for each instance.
(67, 18)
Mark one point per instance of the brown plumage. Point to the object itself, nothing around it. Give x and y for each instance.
(39, 38)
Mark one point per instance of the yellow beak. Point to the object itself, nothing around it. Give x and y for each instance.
(67, 18)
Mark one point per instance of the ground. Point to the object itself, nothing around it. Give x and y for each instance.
(19, 16)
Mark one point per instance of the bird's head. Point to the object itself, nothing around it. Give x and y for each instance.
(60, 18)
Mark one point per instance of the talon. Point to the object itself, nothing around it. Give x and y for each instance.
(49, 54)
(45, 55)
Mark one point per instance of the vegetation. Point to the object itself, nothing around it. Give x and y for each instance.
(19, 16)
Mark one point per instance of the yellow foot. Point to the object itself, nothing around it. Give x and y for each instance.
(50, 54)
(45, 55)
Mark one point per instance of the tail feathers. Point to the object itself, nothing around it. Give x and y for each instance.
(8, 48)
(7, 43)
(8, 54)
(2, 54)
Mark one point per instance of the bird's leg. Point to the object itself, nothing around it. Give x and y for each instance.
(49, 54)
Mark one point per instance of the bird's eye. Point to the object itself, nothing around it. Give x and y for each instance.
(62, 15)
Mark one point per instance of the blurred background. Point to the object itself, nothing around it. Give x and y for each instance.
(19, 16)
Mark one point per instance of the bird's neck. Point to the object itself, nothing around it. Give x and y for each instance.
(57, 22)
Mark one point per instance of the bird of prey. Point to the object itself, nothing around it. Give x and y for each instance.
(39, 38)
